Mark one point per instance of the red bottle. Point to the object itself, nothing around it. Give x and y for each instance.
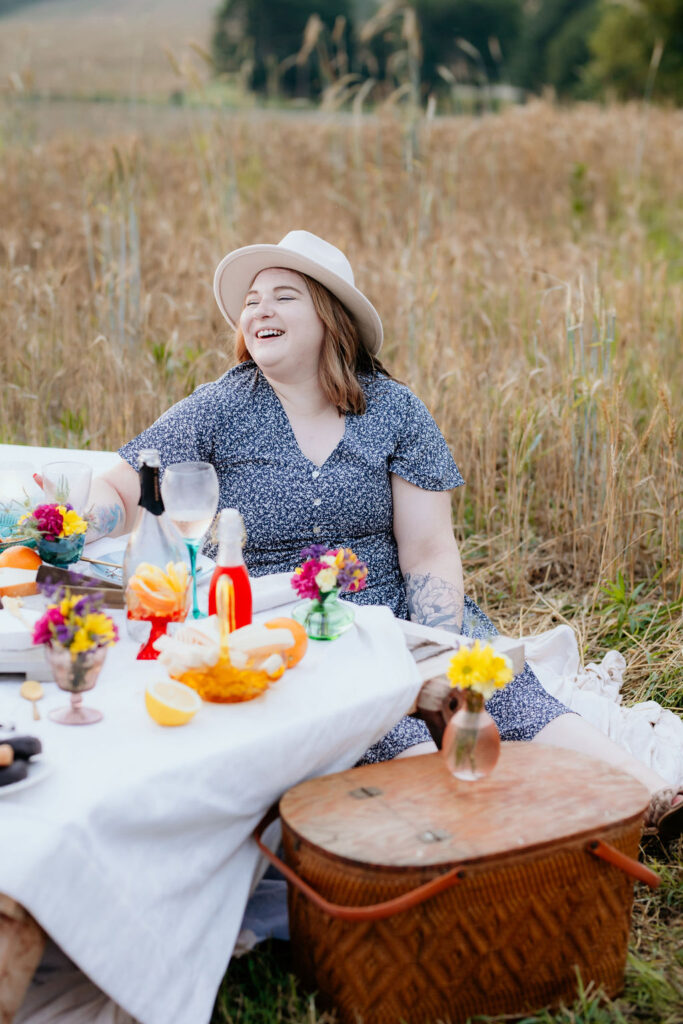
(231, 563)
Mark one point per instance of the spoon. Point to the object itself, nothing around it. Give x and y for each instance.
(33, 691)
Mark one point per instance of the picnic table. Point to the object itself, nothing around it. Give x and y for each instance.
(133, 851)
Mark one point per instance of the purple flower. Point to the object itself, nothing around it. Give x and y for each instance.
(314, 551)
(65, 634)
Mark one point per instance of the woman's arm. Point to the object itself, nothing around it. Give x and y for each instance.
(428, 555)
(113, 499)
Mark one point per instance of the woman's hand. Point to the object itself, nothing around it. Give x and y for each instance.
(428, 555)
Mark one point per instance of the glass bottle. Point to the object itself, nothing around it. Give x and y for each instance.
(155, 566)
(230, 563)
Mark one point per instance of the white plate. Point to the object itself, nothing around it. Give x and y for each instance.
(38, 769)
(105, 572)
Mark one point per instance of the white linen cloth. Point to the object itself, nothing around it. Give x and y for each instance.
(651, 733)
(135, 854)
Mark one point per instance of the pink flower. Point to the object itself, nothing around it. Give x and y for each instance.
(42, 634)
(304, 582)
(49, 521)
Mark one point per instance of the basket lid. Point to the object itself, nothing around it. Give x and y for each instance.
(412, 812)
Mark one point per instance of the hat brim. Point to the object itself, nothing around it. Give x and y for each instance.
(236, 271)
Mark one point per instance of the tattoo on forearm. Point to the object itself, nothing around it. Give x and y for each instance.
(106, 518)
(434, 601)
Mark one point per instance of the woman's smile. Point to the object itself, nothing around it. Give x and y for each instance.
(282, 331)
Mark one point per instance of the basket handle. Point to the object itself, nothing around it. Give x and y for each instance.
(372, 912)
(626, 864)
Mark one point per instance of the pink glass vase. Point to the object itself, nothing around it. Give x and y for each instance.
(75, 675)
(471, 742)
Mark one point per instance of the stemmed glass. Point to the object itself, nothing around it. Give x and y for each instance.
(190, 493)
(67, 481)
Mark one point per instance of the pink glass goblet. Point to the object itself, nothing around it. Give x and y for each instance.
(75, 675)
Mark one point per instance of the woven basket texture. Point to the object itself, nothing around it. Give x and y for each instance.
(507, 939)
(532, 911)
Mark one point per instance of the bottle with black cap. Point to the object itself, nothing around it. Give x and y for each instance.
(156, 564)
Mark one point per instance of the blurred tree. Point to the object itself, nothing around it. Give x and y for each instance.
(639, 47)
(472, 38)
(455, 39)
(291, 46)
(553, 47)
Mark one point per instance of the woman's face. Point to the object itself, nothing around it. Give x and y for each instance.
(282, 331)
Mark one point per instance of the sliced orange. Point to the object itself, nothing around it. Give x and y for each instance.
(163, 604)
(20, 557)
(292, 655)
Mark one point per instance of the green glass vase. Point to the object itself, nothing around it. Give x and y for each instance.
(326, 618)
(63, 551)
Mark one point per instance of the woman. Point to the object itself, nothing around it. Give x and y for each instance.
(314, 442)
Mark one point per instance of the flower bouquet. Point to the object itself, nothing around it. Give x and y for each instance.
(59, 531)
(319, 580)
(76, 634)
(471, 743)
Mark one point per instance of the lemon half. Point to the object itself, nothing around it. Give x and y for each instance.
(171, 703)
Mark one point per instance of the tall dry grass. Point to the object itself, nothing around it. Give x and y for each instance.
(527, 266)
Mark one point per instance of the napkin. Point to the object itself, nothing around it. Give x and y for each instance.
(15, 635)
(271, 591)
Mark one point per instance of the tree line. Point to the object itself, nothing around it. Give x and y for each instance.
(583, 49)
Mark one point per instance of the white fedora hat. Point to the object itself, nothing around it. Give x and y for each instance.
(307, 254)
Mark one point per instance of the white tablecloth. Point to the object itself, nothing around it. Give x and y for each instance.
(134, 852)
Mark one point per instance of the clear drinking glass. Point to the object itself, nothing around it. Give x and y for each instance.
(190, 493)
(67, 482)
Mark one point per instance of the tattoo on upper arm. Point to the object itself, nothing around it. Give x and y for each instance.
(434, 601)
(107, 518)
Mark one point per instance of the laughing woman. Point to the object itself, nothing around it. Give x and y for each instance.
(315, 442)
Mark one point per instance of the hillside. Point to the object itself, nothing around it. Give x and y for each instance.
(101, 47)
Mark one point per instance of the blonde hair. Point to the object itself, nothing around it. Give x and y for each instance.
(343, 355)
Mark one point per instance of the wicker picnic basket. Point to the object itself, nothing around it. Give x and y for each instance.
(416, 897)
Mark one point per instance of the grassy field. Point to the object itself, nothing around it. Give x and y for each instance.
(108, 48)
(528, 267)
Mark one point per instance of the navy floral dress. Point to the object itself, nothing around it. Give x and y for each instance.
(238, 424)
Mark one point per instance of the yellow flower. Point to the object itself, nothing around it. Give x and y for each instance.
(479, 668)
(81, 641)
(72, 522)
(66, 606)
(100, 625)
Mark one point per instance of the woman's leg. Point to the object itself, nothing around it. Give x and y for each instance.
(428, 747)
(574, 733)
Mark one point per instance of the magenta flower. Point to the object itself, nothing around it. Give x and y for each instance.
(304, 582)
(46, 627)
(49, 521)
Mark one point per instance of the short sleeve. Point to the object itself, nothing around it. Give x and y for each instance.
(182, 434)
(421, 455)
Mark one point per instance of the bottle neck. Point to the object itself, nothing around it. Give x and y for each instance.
(150, 490)
(230, 552)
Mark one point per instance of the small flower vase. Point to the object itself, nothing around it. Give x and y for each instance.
(471, 742)
(76, 675)
(325, 618)
(62, 551)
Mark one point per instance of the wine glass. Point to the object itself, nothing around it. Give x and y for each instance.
(190, 493)
(67, 481)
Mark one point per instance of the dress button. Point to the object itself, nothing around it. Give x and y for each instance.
(317, 530)
(317, 502)
(315, 474)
